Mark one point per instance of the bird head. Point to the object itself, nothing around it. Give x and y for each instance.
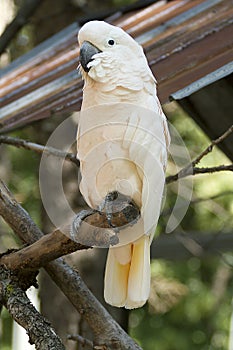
(107, 51)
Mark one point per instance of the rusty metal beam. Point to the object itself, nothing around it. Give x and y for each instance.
(184, 41)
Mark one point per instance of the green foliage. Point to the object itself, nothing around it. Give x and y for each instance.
(215, 213)
(23, 179)
(200, 320)
(6, 330)
(196, 322)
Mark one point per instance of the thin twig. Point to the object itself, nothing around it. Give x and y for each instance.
(20, 143)
(211, 146)
(81, 340)
(187, 171)
(191, 168)
(213, 169)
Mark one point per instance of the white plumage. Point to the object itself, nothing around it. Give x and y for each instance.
(122, 145)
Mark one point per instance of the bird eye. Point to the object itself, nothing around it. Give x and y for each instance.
(111, 42)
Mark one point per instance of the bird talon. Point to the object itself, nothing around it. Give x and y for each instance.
(106, 206)
(77, 221)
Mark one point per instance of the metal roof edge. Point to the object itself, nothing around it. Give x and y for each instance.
(210, 78)
(43, 46)
(57, 83)
(179, 19)
(75, 26)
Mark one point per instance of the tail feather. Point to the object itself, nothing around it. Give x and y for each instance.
(127, 274)
(139, 274)
(116, 280)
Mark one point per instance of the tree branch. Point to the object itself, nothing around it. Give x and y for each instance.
(13, 297)
(81, 340)
(106, 330)
(17, 218)
(58, 243)
(18, 22)
(20, 143)
(187, 171)
(191, 168)
(39, 253)
(213, 169)
(211, 146)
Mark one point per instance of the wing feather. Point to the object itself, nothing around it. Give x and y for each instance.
(147, 149)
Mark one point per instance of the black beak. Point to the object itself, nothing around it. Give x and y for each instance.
(87, 51)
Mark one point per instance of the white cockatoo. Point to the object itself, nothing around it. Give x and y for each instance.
(122, 146)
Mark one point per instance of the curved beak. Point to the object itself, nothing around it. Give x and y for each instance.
(87, 51)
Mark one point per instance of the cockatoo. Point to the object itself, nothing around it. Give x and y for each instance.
(122, 144)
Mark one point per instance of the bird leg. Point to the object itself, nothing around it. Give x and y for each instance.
(101, 227)
(116, 204)
(107, 207)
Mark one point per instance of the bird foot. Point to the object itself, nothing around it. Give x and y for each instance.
(107, 207)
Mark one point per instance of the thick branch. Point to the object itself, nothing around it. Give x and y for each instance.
(58, 243)
(18, 22)
(39, 253)
(106, 330)
(17, 218)
(24, 313)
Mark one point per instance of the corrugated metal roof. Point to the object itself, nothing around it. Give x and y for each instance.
(184, 41)
(199, 84)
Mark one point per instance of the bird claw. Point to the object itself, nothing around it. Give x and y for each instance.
(107, 207)
(76, 223)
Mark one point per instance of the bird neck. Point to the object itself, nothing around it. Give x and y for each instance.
(95, 93)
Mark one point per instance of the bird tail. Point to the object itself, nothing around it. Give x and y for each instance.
(127, 274)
